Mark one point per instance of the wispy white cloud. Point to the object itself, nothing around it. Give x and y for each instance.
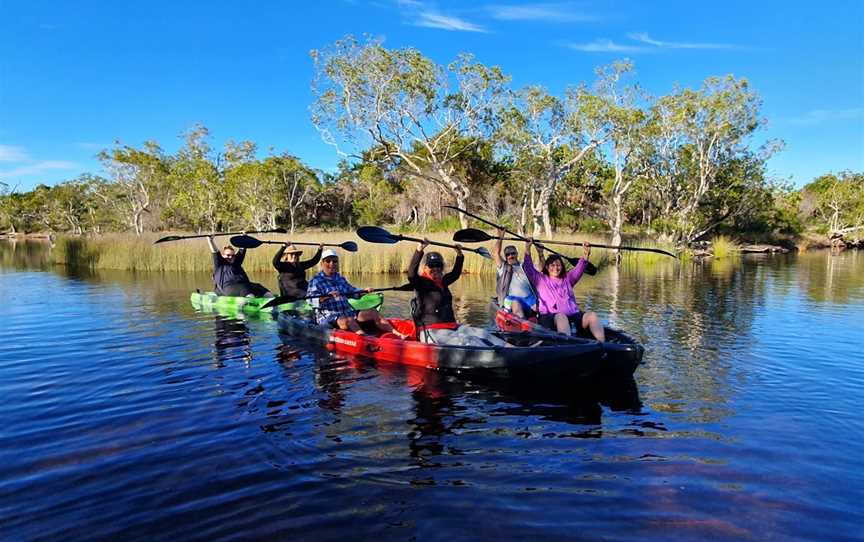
(418, 13)
(820, 116)
(10, 153)
(551, 12)
(37, 168)
(446, 22)
(642, 37)
(604, 45)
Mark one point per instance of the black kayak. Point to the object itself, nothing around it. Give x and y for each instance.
(543, 362)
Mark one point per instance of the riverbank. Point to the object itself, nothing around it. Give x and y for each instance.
(132, 253)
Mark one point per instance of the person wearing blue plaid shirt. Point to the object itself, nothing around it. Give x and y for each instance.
(334, 309)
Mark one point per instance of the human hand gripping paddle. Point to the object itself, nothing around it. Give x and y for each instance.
(282, 299)
(180, 237)
(471, 235)
(246, 241)
(590, 268)
(374, 234)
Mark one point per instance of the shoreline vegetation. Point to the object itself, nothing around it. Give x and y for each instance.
(133, 253)
(600, 157)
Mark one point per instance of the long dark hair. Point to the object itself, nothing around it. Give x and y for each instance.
(551, 258)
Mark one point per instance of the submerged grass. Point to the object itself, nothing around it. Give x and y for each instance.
(131, 253)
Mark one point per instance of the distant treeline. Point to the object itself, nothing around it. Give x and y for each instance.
(603, 156)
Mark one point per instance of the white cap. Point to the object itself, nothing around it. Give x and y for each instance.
(329, 253)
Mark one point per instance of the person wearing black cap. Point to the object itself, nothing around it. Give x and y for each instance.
(229, 278)
(433, 307)
(292, 272)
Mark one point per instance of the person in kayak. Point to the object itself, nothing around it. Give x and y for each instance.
(292, 272)
(333, 308)
(228, 275)
(512, 287)
(554, 286)
(432, 309)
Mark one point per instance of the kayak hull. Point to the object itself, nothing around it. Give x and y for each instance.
(565, 361)
(623, 353)
(210, 301)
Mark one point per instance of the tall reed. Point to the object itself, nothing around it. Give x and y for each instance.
(131, 253)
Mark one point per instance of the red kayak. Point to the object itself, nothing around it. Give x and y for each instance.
(574, 360)
(623, 353)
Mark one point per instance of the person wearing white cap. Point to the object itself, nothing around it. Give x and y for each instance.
(292, 272)
(334, 309)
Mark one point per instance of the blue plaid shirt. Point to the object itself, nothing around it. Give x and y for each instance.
(330, 309)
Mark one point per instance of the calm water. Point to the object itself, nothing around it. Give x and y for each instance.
(127, 415)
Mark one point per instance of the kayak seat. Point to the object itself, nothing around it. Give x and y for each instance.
(406, 327)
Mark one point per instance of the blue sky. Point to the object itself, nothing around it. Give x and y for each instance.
(76, 76)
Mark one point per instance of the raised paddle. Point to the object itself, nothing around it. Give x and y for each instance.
(590, 268)
(282, 299)
(179, 237)
(246, 241)
(472, 235)
(374, 234)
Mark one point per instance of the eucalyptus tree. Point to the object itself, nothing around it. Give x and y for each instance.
(625, 121)
(415, 110)
(839, 202)
(197, 190)
(547, 136)
(698, 134)
(137, 177)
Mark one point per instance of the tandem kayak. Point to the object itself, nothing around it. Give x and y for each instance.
(253, 305)
(622, 352)
(530, 364)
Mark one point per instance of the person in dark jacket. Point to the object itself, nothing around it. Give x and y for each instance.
(292, 272)
(228, 275)
(433, 306)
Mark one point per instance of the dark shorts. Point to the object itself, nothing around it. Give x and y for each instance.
(548, 321)
(242, 289)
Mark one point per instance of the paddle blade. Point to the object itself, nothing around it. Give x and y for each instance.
(282, 299)
(483, 252)
(350, 246)
(276, 230)
(471, 235)
(166, 239)
(590, 268)
(245, 241)
(374, 234)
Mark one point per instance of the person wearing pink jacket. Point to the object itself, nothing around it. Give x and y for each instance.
(554, 286)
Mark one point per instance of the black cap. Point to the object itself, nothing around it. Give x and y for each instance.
(434, 259)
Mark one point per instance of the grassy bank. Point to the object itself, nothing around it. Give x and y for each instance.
(131, 253)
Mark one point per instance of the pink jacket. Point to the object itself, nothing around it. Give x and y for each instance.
(556, 294)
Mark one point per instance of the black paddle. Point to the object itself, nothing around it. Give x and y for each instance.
(590, 268)
(245, 241)
(282, 299)
(374, 234)
(179, 237)
(472, 235)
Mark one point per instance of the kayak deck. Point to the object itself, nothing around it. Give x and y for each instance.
(210, 301)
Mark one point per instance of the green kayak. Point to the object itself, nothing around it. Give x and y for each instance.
(209, 301)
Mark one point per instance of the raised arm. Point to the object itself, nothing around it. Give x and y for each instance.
(454, 273)
(575, 274)
(496, 250)
(213, 248)
(414, 266)
(311, 262)
(528, 266)
(277, 259)
(240, 256)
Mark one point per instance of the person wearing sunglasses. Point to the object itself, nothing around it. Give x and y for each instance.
(229, 278)
(432, 308)
(514, 290)
(333, 308)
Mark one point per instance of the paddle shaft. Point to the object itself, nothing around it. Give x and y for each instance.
(518, 237)
(200, 236)
(578, 244)
(437, 244)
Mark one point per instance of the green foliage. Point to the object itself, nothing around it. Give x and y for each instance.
(445, 224)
